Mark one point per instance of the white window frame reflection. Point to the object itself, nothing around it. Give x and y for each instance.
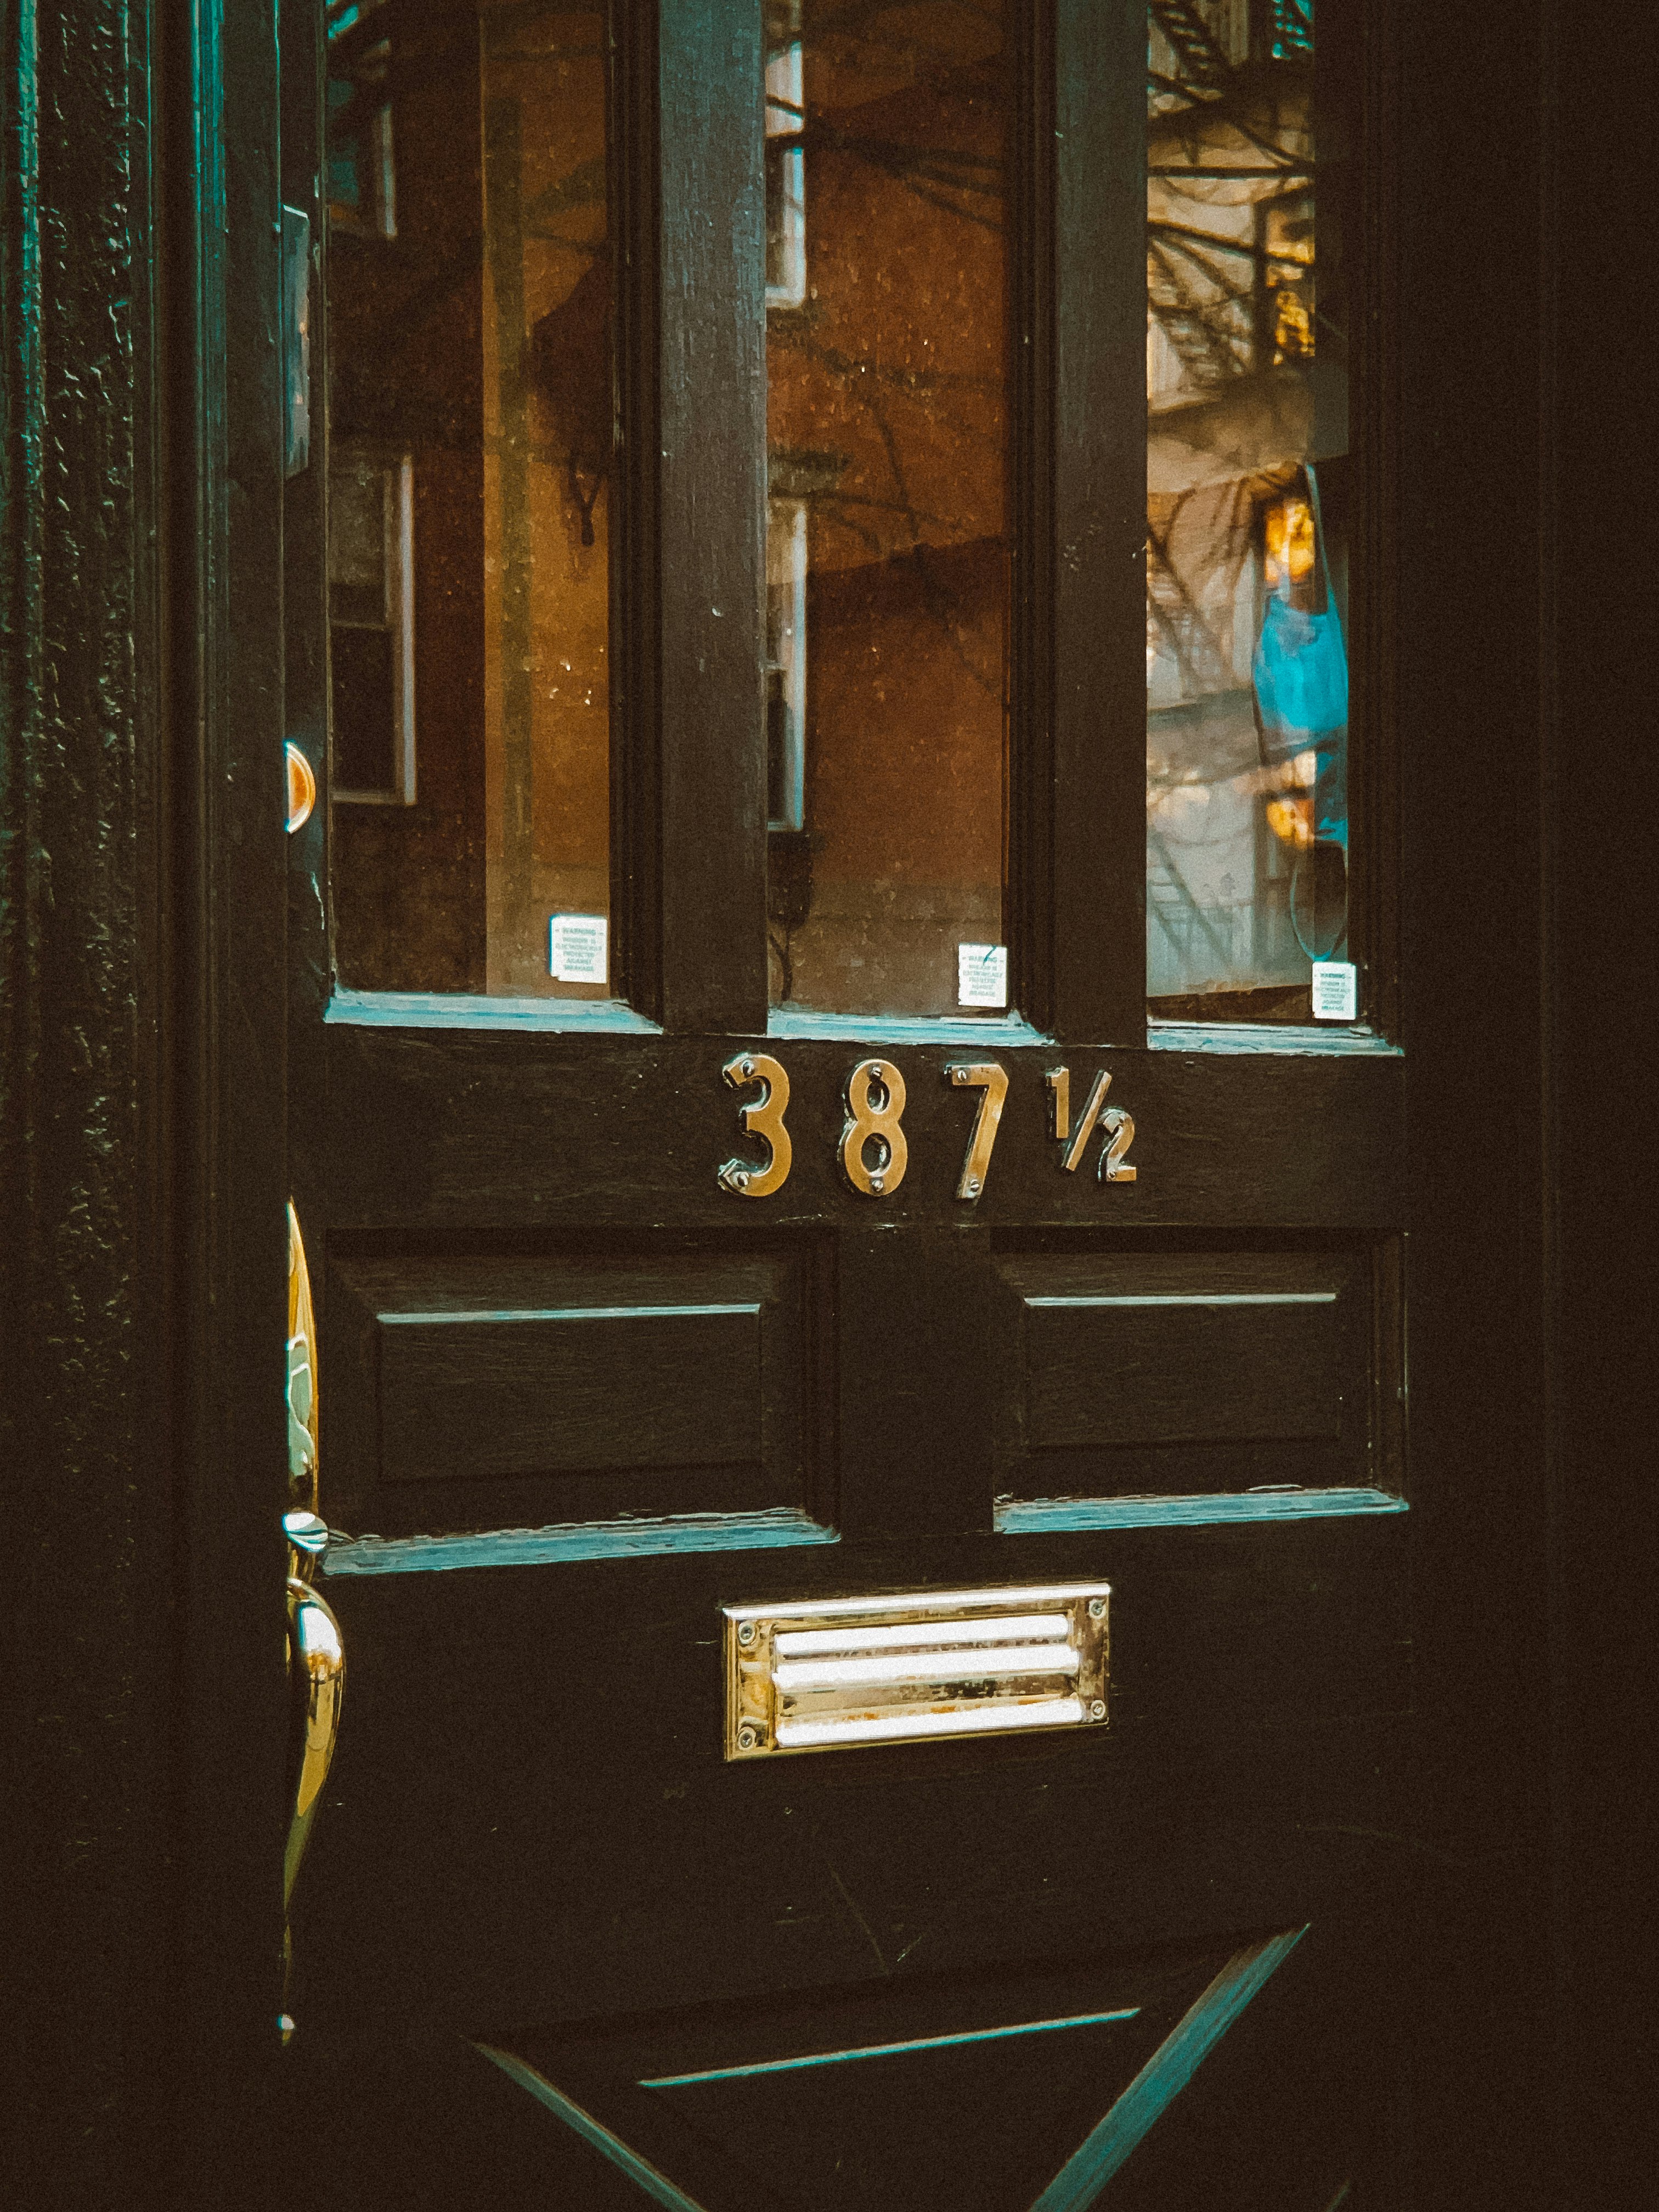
(397, 479)
(786, 114)
(385, 175)
(1223, 624)
(786, 647)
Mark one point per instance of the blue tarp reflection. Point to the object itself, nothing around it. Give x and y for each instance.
(1300, 675)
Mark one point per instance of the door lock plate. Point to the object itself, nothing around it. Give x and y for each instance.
(915, 1667)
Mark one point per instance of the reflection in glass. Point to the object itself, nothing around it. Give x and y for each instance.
(1247, 673)
(887, 560)
(371, 558)
(470, 425)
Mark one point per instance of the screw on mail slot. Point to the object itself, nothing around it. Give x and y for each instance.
(914, 1667)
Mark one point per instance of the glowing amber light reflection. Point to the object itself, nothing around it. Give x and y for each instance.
(301, 788)
(1290, 536)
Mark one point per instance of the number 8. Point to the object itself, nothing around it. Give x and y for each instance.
(865, 1122)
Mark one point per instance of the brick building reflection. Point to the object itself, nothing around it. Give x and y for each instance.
(889, 564)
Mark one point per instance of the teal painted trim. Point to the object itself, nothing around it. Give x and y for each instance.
(1165, 2075)
(780, 1527)
(561, 1313)
(656, 2185)
(1048, 1516)
(1267, 1037)
(888, 2050)
(459, 1010)
(1197, 1298)
(1003, 1031)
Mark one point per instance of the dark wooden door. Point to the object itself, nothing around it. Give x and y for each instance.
(736, 786)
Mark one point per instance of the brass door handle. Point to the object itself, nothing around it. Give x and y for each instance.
(316, 1649)
(316, 1675)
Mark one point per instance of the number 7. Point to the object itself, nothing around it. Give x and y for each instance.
(986, 1076)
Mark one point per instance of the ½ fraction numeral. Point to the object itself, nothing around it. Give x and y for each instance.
(1119, 1127)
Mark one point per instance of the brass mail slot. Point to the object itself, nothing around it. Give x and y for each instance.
(915, 1667)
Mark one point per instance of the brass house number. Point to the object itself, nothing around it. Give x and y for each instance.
(873, 1150)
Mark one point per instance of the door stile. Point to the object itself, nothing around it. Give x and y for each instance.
(305, 621)
(225, 461)
(1470, 505)
(1096, 917)
(1029, 898)
(710, 965)
(634, 170)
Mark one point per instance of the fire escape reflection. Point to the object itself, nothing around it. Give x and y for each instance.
(1246, 567)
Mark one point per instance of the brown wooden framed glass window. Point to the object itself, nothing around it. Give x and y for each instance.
(761, 651)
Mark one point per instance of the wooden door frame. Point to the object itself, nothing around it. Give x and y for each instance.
(144, 1092)
(141, 1052)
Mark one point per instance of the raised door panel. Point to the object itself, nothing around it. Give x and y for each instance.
(1249, 1374)
(471, 1394)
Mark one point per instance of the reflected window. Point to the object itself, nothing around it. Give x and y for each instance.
(1247, 664)
(786, 664)
(361, 180)
(371, 626)
(786, 163)
(887, 341)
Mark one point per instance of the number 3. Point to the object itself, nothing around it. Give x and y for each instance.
(865, 1122)
(764, 1119)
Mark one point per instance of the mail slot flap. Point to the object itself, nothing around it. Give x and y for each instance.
(1185, 1347)
(913, 1668)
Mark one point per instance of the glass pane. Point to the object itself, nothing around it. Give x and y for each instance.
(1247, 670)
(887, 558)
(471, 419)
